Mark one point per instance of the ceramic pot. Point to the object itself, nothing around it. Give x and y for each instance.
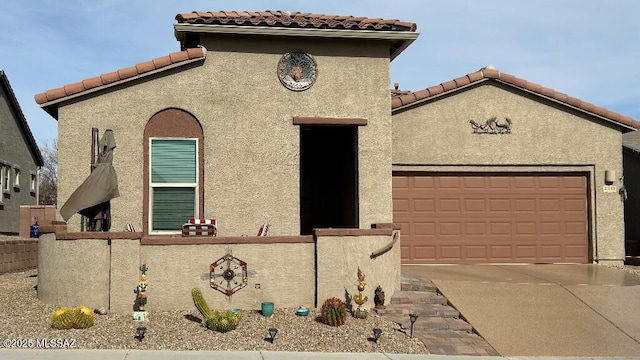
(267, 309)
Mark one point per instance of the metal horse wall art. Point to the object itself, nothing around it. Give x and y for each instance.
(492, 126)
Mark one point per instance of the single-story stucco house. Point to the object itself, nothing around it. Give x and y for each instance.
(287, 119)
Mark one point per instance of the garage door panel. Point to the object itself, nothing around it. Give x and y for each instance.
(499, 228)
(575, 228)
(575, 251)
(500, 205)
(473, 182)
(578, 205)
(423, 182)
(575, 182)
(525, 228)
(449, 228)
(448, 182)
(550, 228)
(475, 205)
(475, 228)
(501, 252)
(405, 251)
(525, 182)
(449, 205)
(401, 205)
(424, 228)
(475, 218)
(550, 182)
(527, 252)
(527, 206)
(425, 253)
(451, 252)
(499, 182)
(550, 205)
(476, 252)
(424, 205)
(551, 251)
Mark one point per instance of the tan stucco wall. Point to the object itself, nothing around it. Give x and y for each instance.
(339, 258)
(73, 273)
(285, 274)
(437, 136)
(288, 274)
(251, 146)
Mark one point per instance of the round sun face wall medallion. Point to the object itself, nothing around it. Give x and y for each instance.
(297, 70)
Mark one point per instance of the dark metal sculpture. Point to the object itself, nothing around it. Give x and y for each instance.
(222, 274)
(492, 126)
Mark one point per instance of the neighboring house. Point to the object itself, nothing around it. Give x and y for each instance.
(20, 159)
(631, 159)
(287, 119)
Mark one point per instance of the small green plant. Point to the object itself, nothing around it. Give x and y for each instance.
(79, 318)
(223, 321)
(200, 303)
(333, 312)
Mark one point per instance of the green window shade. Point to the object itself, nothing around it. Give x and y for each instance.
(172, 207)
(173, 161)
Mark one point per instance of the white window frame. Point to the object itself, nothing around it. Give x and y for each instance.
(16, 176)
(6, 179)
(2, 170)
(33, 182)
(152, 185)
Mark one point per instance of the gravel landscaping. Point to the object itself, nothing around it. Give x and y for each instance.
(23, 316)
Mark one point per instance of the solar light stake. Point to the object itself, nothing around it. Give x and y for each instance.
(140, 330)
(413, 317)
(272, 334)
(376, 334)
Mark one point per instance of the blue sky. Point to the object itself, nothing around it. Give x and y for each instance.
(587, 49)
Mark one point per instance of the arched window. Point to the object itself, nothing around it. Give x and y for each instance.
(173, 171)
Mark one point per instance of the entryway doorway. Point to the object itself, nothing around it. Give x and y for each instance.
(328, 177)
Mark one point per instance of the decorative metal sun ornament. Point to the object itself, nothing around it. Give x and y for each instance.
(228, 274)
(297, 70)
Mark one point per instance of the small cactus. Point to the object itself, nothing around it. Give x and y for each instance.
(333, 312)
(79, 318)
(62, 319)
(83, 317)
(223, 321)
(200, 303)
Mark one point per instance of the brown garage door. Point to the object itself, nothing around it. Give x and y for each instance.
(491, 218)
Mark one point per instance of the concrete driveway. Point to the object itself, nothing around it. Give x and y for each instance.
(545, 310)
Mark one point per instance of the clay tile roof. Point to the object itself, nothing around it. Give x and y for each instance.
(293, 20)
(120, 75)
(490, 74)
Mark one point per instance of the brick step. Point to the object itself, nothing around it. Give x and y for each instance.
(453, 342)
(430, 323)
(409, 283)
(416, 297)
(422, 309)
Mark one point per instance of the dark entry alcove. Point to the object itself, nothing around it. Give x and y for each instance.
(328, 177)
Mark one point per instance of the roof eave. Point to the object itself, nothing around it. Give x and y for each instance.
(13, 102)
(404, 38)
(562, 103)
(437, 96)
(50, 106)
(477, 82)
